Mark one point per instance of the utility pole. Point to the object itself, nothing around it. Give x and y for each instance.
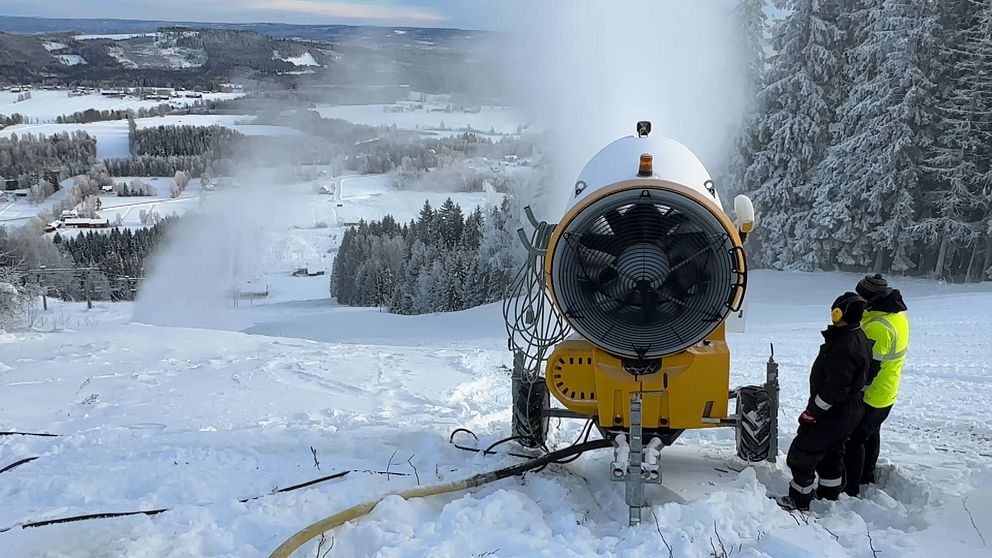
(89, 290)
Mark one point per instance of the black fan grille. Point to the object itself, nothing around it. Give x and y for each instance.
(644, 273)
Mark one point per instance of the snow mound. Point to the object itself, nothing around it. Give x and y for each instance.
(305, 59)
(71, 59)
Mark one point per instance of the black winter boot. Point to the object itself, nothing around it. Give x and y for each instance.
(828, 492)
(799, 499)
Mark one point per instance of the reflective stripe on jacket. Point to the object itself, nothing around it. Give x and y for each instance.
(890, 332)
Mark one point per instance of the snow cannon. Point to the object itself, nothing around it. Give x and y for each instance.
(620, 312)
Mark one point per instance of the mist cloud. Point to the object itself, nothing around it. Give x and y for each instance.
(590, 69)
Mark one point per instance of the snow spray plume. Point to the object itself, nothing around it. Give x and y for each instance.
(219, 257)
(590, 69)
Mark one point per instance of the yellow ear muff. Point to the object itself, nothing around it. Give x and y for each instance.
(836, 314)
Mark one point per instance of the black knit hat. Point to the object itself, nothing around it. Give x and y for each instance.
(849, 307)
(872, 286)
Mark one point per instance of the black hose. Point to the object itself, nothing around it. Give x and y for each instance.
(17, 463)
(541, 461)
(451, 440)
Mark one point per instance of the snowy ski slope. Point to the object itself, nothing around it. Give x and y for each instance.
(196, 419)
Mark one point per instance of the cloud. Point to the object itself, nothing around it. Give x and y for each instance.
(350, 11)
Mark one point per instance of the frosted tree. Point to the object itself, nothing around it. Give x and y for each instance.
(865, 191)
(794, 111)
(41, 191)
(179, 183)
(14, 298)
(956, 227)
(88, 207)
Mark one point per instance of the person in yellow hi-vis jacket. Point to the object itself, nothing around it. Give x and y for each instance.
(886, 324)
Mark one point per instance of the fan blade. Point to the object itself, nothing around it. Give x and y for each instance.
(644, 222)
(615, 221)
(605, 243)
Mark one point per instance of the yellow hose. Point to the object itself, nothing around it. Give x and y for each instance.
(313, 531)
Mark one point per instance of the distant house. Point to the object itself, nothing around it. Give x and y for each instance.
(10, 184)
(86, 223)
(53, 226)
(69, 214)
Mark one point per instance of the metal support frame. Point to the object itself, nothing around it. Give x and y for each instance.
(635, 482)
(772, 388)
(635, 462)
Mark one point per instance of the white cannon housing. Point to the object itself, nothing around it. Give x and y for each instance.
(645, 262)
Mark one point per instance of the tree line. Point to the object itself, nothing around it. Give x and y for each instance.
(183, 141)
(441, 262)
(29, 157)
(94, 115)
(869, 141)
(121, 252)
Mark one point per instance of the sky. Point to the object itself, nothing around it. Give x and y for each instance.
(466, 14)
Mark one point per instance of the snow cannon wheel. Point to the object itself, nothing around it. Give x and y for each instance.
(530, 399)
(754, 424)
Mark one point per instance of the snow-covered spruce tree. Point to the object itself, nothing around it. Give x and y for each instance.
(866, 189)
(955, 223)
(500, 252)
(791, 129)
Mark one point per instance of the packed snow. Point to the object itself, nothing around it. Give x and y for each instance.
(197, 419)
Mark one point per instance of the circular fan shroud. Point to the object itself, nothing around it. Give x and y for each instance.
(645, 271)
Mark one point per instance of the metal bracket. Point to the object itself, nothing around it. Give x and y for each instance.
(634, 462)
(772, 388)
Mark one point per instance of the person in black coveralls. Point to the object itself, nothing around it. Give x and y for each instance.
(836, 382)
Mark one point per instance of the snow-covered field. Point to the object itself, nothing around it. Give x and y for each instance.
(45, 106)
(197, 419)
(111, 135)
(114, 37)
(16, 212)
(503, 120)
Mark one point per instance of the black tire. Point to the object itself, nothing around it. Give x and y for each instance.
(754, 424)
(530, 399)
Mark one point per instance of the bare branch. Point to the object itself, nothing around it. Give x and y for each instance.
(390, 464)
(414, 467)
(671, 554)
